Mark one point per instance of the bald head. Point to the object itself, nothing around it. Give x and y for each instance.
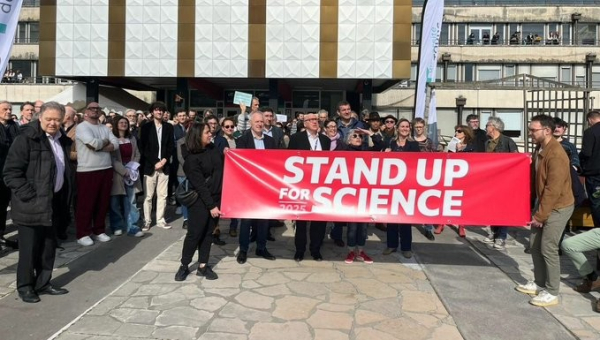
(69, 116)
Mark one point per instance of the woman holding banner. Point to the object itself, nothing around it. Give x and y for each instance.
(425, 145)
(203, 169)
(402, 143)
(466, 143)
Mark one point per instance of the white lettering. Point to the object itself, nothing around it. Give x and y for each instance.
(338, 170)
(283, 192)
(407, 203)
(316, 162)
(450, 174)
(290, 166)
(368, 173)
(436, 172)
(377, 200)
(450, 202)
(422, 202)
(386, 171)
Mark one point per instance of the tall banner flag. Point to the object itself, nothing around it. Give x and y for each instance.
(431, 26)
(432, 132)
(9, 17)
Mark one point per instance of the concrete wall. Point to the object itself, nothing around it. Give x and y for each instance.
(19, 93)
(509, 14)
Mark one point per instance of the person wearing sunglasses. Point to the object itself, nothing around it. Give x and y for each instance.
(402, 143)
(388, 128)
(467, 144)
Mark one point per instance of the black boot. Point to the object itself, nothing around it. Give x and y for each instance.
(217, 241)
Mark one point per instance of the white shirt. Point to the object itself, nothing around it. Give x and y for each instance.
(315, 143)
(59, 158)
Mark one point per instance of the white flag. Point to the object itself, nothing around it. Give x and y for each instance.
(432, 131)
(431, 26)
(9, 17)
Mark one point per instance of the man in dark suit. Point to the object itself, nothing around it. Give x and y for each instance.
(156, 147)
(310, 139)
(38, 172)
(254, 138)
(271, 130)
(480, 135)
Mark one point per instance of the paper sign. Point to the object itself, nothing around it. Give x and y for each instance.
(242, 97)
(281, 118)
(453, 143)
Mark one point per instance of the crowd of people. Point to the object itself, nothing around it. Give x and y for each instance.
(62, 167)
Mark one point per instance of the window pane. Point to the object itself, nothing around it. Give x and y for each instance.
(417, 28)
(587, 34)
(566, 34)
(534, 33)
(462, 34)
(469, 72)
(513, 122)
(22, 34)
(305, 99)
(24, 66)
(515, 35)
(451, 74)
(34, 32)
(483, 75)
(499, 33)
(595, 79)
(549, 72)
(565, 75)
(444, 34)
(509, 70)
(439, 73)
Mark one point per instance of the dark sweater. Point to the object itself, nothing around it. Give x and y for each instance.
(204, 171)
(589, 157)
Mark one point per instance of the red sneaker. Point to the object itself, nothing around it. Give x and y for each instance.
(364, 257)
(461, 231)
(350, 258)
(439, 229)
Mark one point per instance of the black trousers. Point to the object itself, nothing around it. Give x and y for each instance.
(37, 249)
(317, 234)
(4, 200)
(198, 237)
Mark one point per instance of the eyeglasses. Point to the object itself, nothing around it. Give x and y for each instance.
(458, 131)
(228, 126)
(390, 121)
(355, 135)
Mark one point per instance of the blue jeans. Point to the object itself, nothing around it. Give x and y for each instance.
(184, 209)
(124, 213)
(590, 187)
(404, 231)
(262, 228)
(428, 227)
(356, 234)
(500, 232)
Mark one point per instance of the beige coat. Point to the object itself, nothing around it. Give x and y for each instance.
(118, 186)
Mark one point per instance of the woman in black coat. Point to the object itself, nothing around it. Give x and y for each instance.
(203, 169)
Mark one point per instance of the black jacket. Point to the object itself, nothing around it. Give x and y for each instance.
(8, 134)
(246, 141)
(589, 157)
(204, 171)
(148, 145)
(299, 141)
(505, 144)
(480, 139)
(30, 170)
(410, 146)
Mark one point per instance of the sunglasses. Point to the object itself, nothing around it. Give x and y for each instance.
(390, 121)
(228, 126)
(458, 131)
(356, 135)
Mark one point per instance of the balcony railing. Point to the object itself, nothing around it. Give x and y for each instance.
(31, 3)
(514, 2)
(514, 42)
(27, 41)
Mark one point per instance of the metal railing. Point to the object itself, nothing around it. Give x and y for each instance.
(513, 42)
(31, 3)
(514, 2)
(27, 41)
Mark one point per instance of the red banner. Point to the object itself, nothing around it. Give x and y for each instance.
(416, 188)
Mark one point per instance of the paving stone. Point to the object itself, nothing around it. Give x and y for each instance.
(349, 272)
(593, 321)
(191, 291)
(128, 315)
(253, 300)
(224, 281)
(296, 276)
(107, 305)
(168, 299)
(324, 277)
(342, 287)
(404, 329)
(365, 317)
(346, 299)
(155, 289)
(222, 336)
(226, 292)
(140, 302)
(250, 284)
(145, 276)
(175, 332)
(278, 331)
(209, 303)
(168, 277)
(374, 288)
(223, 325)
(183, 316)
(418, 301)
(330, 320)
(162, 266)
(135, 331)
(277, 290)
(390, 307)
(426, 320)
(446, 332)
(294, 307)
(71, 336)
(301, 288)
(328, 334)
(569, 321)
(127, 289)
(336, 308)
(370, 334)
(233, 310)
(270, 279)
(102, 325)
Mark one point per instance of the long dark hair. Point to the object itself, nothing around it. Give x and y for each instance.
(115, 123)
(193, 137)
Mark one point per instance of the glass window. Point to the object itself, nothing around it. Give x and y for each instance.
(34, 32)
(580, 75)
(553, 37)
(305, 99)
(524, 69)
(439, 73)
(566, 75)
(417, 31)
(488, 73)
(533, 33)
(515, 35)
(24, 66)
(462, 34)
(413, 72)
(566, 34)
(509, 70)
(587, 34)
(549, 72)
(498, 37)
(451, 74)
(513, 122)
(469, 72)
(22, 33)
(595, 79)
(445, 34)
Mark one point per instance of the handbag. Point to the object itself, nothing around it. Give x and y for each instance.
(184, 195)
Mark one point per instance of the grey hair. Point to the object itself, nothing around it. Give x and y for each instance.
(497, 123)
(323, 111)
(53, 106)
(5, 102)
(350, 133)
(254, 113)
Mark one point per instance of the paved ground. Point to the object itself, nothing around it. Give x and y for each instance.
(453, 289)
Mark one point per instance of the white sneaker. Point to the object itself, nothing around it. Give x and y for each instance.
(138, 234)
(544, 299)
(85, 241)
(102, 237)
(500, 244)
(118, 232)
(489, 240)
(529, 288)
(164, 225)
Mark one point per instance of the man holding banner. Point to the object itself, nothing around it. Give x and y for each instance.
(553, 208)
(310, 139)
